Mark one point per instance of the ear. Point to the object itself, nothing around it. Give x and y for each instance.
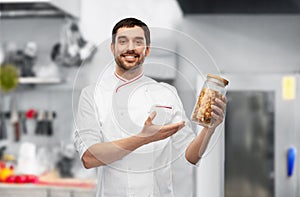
(112, 48)
(147, 52)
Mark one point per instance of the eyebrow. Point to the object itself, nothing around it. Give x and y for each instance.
(121, 37)
(137, 38)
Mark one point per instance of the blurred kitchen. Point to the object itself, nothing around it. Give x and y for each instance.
(47, 45)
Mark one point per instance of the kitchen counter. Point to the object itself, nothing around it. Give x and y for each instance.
(62, 188)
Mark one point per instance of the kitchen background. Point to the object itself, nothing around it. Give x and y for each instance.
(254, 44)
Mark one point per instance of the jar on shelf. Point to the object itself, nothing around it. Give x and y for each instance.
(214, 87)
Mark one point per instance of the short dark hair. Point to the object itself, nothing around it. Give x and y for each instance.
(131, 22)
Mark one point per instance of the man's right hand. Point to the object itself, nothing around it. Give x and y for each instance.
(153, 132)
(107, 152)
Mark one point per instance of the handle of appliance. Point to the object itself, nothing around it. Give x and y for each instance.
(291, 158)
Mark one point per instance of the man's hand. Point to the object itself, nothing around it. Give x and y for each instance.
(218, 109)
(198, 146)
(154, 132)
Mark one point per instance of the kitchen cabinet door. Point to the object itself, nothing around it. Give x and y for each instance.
(59, 193)
(24, 192)
(84, 193)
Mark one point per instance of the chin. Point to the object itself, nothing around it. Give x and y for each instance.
(130, 67)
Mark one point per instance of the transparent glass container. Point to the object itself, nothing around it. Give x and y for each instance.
(214, 87)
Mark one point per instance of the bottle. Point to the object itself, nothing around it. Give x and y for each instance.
(214, 87)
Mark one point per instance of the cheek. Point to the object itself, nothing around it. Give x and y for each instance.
(119, 49)
(141, 50)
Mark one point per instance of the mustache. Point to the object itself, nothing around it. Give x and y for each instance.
(129, 53)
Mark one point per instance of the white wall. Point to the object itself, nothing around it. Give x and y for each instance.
(99, 17)
(249, 43)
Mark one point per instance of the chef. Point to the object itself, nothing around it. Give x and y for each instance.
(131, 127)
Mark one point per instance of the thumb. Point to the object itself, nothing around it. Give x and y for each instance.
(150, 118)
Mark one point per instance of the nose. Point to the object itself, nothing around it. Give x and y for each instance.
(131, 45)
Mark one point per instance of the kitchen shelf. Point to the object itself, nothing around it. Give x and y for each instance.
(24, 1)
(41, 8)
(37, 80)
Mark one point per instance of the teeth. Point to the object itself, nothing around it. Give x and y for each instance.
(130, 58)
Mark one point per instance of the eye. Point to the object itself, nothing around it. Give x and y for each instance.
(122, 41)
(139, 42)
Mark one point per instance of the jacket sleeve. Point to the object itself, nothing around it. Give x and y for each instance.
(87, 122)
(182, 138)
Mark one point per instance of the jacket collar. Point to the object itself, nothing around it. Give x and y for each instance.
(125, 82)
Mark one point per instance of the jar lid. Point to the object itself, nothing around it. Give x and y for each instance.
(219, 78)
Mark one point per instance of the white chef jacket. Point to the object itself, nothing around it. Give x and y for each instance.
(116, 108)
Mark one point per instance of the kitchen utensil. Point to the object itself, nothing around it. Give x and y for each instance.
(2, 149)
(3, 132)
(1, 55)
(31, 122)
(39, 124)
(23, 123)
(14, 118)
(49, 123)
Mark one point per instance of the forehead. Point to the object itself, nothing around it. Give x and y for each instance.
(130, 32)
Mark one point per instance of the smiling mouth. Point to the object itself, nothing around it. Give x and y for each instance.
(130, 57)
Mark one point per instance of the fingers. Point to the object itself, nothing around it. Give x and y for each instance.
(152, 115)
(169, 130)
(224, 99)
(150, 118)
(172, 127)
(159, 132)
(221, 102)
(217, 116)
(218, 109)
(219, 106)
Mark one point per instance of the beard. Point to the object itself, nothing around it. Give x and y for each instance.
(128, 66)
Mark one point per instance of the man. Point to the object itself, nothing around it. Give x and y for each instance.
(134, 127)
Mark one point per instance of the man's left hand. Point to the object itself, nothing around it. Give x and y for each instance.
(218, 109)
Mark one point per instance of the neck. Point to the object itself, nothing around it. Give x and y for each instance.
(129, 74)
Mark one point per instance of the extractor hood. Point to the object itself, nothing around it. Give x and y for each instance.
(240, 6)
(27, 8)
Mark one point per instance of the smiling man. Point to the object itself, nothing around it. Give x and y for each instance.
(130, 46)
(129, 49)
(133, 127)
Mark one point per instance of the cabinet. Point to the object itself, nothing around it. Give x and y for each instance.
(21, 191)
(13, 190)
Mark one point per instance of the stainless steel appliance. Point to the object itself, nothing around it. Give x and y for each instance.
(262, 134)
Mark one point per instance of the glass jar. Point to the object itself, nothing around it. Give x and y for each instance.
(214, 87)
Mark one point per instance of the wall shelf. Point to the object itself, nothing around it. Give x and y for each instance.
(36, 80)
